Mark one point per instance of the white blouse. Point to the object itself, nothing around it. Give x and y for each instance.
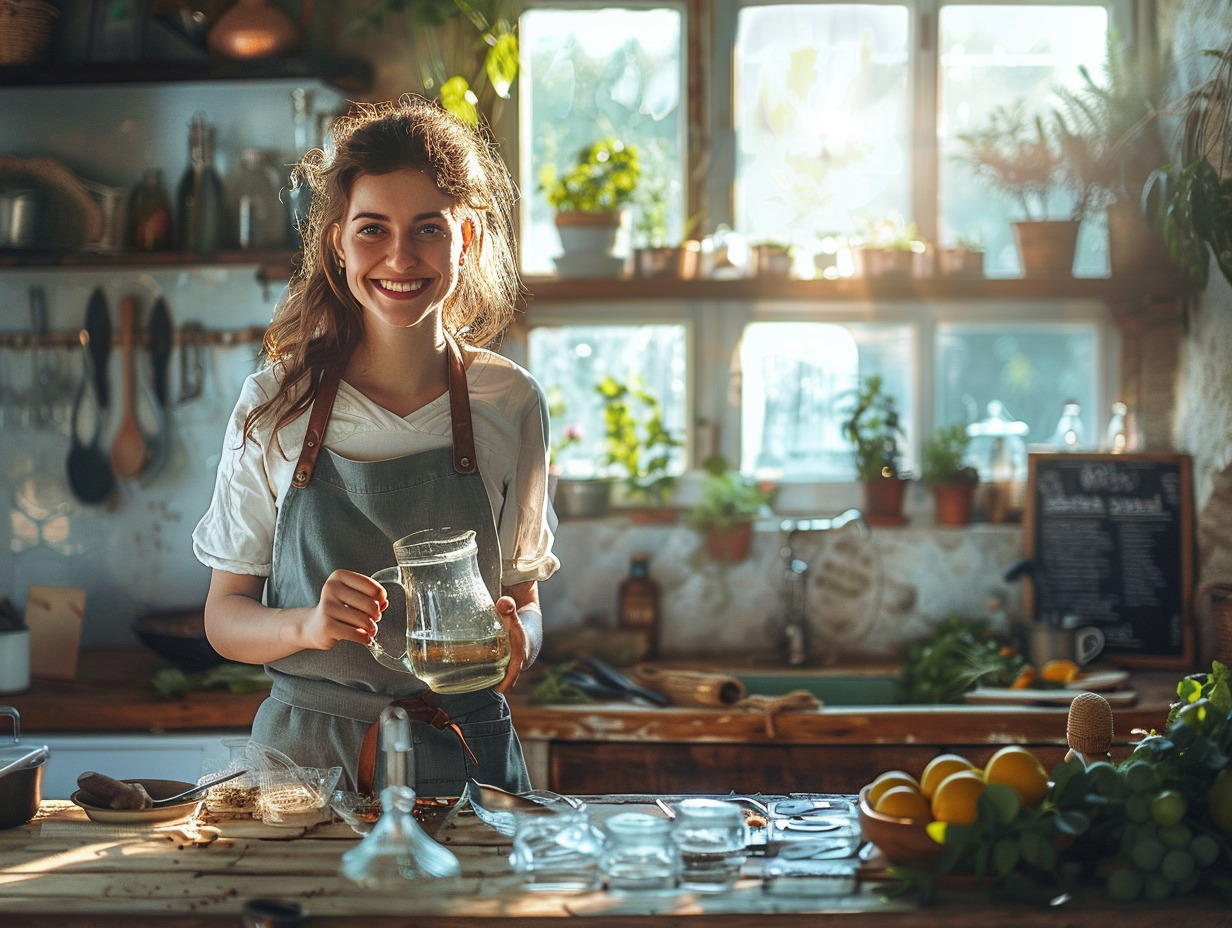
(510, 419)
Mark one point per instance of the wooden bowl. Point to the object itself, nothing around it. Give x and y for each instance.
(902, 841)
(179, 636)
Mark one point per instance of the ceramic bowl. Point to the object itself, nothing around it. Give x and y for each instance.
(179, 636)
(902, 841)
(158, 789)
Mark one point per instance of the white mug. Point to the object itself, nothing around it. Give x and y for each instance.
(1050, 642)
(15, 660)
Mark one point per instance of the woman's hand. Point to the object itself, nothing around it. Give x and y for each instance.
(518, 611)
(350, 606)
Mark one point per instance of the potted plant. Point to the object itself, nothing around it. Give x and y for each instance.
(887, 248)
(725, 513)
(773, 259)
(1116, 120)
(1046, 171)
(591, 199)
(637, 443)
(946, 472)
(874, 430)
(964, 260)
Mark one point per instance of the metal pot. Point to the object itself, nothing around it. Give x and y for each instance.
(21, 776)
(19, 217)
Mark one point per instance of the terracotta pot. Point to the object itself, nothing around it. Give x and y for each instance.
(953, 502)
(1133, 246)
(961, 264)
(729, 545)
(1046, 248)
(884, 498)
(884, 263)
(652, 515)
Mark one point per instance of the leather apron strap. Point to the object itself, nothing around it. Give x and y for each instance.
(322, 406)
(464, 461)
(422, 708)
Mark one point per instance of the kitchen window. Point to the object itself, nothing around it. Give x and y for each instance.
(817, 123)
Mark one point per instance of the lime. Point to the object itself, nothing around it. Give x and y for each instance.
(1176, 865)
(1205, 850)
(1177, 836)
(1147, 854)
(1219, 797)
(1168, 808)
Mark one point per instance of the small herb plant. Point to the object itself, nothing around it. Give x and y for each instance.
(891, 233)
(873, 428)
(636, 440)
(944, 456)
(727, 498)
(603, 179)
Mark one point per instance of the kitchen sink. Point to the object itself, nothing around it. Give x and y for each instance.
(832, 687)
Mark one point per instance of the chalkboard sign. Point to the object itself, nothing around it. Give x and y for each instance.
(1111, 536)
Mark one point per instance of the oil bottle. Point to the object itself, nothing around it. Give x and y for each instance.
(637, 603)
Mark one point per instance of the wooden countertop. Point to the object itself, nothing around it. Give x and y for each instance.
(112, 693)
(63, 871)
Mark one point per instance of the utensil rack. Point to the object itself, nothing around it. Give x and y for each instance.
(188, 334)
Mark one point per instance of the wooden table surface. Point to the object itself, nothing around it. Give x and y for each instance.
(64, 871)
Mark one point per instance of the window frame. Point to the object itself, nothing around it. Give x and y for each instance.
(713, 326)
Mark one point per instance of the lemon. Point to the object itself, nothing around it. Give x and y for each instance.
(887, 780)
(939, 768)
(1060, 671)
(1021, 771)
(903, 802)
(956, 799)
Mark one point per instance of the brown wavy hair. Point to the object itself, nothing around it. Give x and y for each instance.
(318, 322)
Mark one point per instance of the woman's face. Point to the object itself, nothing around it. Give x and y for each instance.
(401, 243)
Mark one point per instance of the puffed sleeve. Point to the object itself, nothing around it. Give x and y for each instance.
(527, 528)
(236, 534)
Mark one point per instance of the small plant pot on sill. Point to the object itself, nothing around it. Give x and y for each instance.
(588, 244)
(653, 515)
(953, 502)
(884, 498)
(583, 499)
(1046, 248)
(729, 544)
(884, 263)
(960, 264)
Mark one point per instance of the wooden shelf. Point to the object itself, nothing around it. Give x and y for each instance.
(345, 74)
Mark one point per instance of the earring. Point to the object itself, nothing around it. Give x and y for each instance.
(339, 263)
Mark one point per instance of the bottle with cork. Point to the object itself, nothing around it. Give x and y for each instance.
(637, 603)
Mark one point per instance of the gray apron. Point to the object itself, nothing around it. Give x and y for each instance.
(346, 514)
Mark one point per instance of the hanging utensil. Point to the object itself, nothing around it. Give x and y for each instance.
(129, 451)
(158, 345)
(40, 396)
(89, 473)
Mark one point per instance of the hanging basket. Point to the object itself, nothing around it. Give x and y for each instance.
(25, 31)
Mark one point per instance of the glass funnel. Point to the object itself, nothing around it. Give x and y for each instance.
(397, 848)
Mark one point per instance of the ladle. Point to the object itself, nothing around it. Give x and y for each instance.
(129, 451)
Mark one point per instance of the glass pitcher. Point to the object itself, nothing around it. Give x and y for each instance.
(455, 641)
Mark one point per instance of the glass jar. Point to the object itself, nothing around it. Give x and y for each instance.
(556, 849)
(255, 207)
(712, 839)
(638, 852)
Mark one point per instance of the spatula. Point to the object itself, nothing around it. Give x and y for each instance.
(129, 451)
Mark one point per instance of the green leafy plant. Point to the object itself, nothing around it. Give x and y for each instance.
(603, 178)
(959, 656)
(1191, 203)
(728, 498)
(1034, 161)
(636, 441)
(944, 457)
(466, 51)
(873, 428)
(891, 233)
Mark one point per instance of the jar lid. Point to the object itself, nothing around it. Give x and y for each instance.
(637, 823)
(710, 811)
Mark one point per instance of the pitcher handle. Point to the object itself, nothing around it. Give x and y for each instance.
(387, 577)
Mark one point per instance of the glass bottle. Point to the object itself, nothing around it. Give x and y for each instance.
(298, 196)
(1068, 433)
(255, 207)
(1116, 439)
(149, 214)
(637, 606)
(201, 198)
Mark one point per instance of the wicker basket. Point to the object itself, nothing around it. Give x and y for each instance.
(25, 31)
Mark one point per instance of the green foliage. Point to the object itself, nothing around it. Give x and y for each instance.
(173, 683)
(636, 441)
(489, 55)
(603, 178)
(943, 457)
(727, 498)
(959, 656)
(1031, 160)
(872, 426)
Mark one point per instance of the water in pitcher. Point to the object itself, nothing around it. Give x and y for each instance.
(458, 665)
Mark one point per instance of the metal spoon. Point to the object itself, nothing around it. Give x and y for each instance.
(197, 790)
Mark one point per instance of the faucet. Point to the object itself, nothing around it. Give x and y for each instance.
(795, 573)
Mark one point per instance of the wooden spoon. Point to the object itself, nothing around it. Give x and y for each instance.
(129, 451)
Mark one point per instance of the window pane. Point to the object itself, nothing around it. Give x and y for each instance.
(822, 117)
(993, 56)
(1030, 370)
(570, 360)
(592, 73)
(796, 380)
